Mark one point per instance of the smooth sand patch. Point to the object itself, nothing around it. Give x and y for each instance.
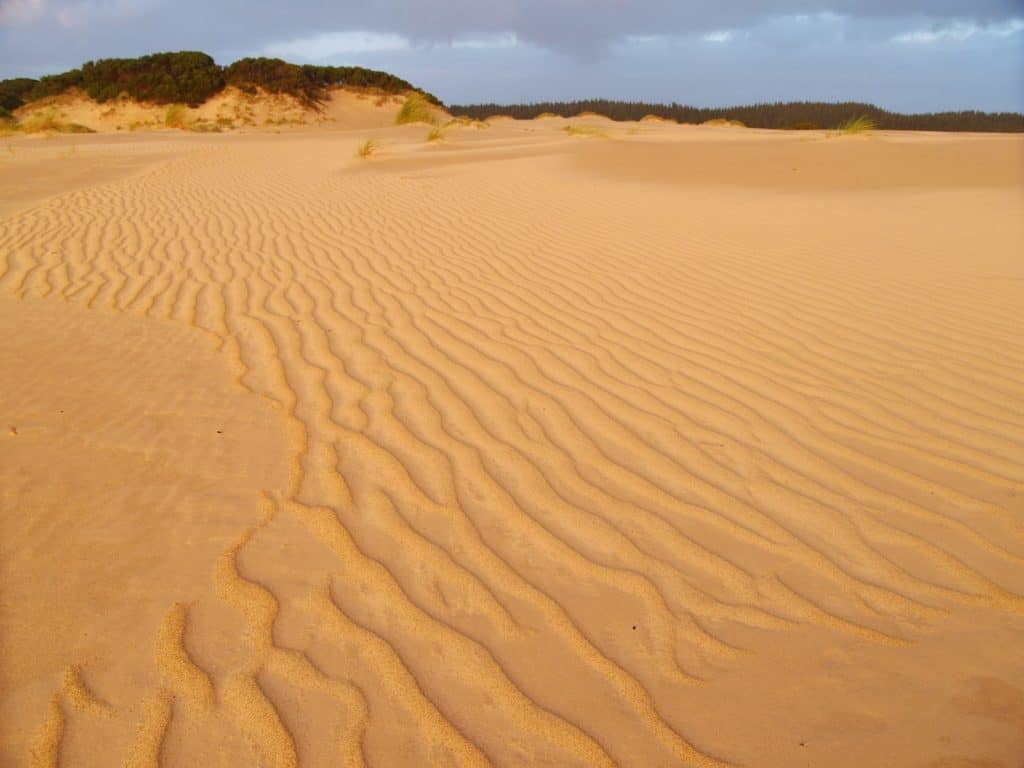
(131, 462)
(548, 451)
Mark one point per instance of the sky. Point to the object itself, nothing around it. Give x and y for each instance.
(905, 55)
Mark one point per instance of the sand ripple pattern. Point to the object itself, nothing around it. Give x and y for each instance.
(558, 463)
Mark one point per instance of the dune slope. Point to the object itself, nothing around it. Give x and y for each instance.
(541, 463)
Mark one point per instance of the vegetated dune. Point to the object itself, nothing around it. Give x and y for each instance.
(510, 454)
(228, 110)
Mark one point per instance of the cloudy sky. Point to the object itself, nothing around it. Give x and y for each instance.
(908, 55)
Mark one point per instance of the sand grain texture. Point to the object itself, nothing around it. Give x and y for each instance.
(690, 447)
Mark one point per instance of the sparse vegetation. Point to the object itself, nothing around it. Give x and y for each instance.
(436, 133)
(367, 149)
(465, 122)
(861, 124)
(581, 129)
(769, 115)
(416, 109)
(50, 121)
(721, 121)
(201, 126)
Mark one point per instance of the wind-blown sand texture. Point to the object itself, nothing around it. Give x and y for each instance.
(690, 446)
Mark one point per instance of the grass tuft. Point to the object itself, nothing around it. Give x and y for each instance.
(50, 122)
(723, 121)
(576, 129)
(367, 148)
(436, 133)
(466, 122)
(855, 125)
(415, 109)
(177, 117)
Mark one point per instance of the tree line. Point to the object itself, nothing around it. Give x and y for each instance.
(787, 115)
(192, 77)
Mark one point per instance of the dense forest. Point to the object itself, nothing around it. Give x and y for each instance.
(191, 77)
(793, 114)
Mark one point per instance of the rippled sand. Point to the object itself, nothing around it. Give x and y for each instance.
(688, 446)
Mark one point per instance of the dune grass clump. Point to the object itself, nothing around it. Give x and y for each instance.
(416, 109)
(857, 125)
(436, 133)
(466, 122)
(367, 149)
(576, 129)
(50, 121)
(177, 117)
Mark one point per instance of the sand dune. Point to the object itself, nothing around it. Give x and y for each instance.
(685, 447)
(229, 110)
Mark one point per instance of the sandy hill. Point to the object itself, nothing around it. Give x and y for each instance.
(231, 109)
(188, 90)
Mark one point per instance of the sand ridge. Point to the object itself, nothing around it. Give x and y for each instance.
(229, 110)
(562, 462)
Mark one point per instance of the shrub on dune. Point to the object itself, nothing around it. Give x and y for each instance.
(416, 109)
(176, 117)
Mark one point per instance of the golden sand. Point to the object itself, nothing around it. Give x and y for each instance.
(680, 447)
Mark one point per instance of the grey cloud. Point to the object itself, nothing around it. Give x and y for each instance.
(564, 25)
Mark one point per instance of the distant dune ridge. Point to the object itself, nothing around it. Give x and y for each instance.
(637, 444)
(152, 88)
